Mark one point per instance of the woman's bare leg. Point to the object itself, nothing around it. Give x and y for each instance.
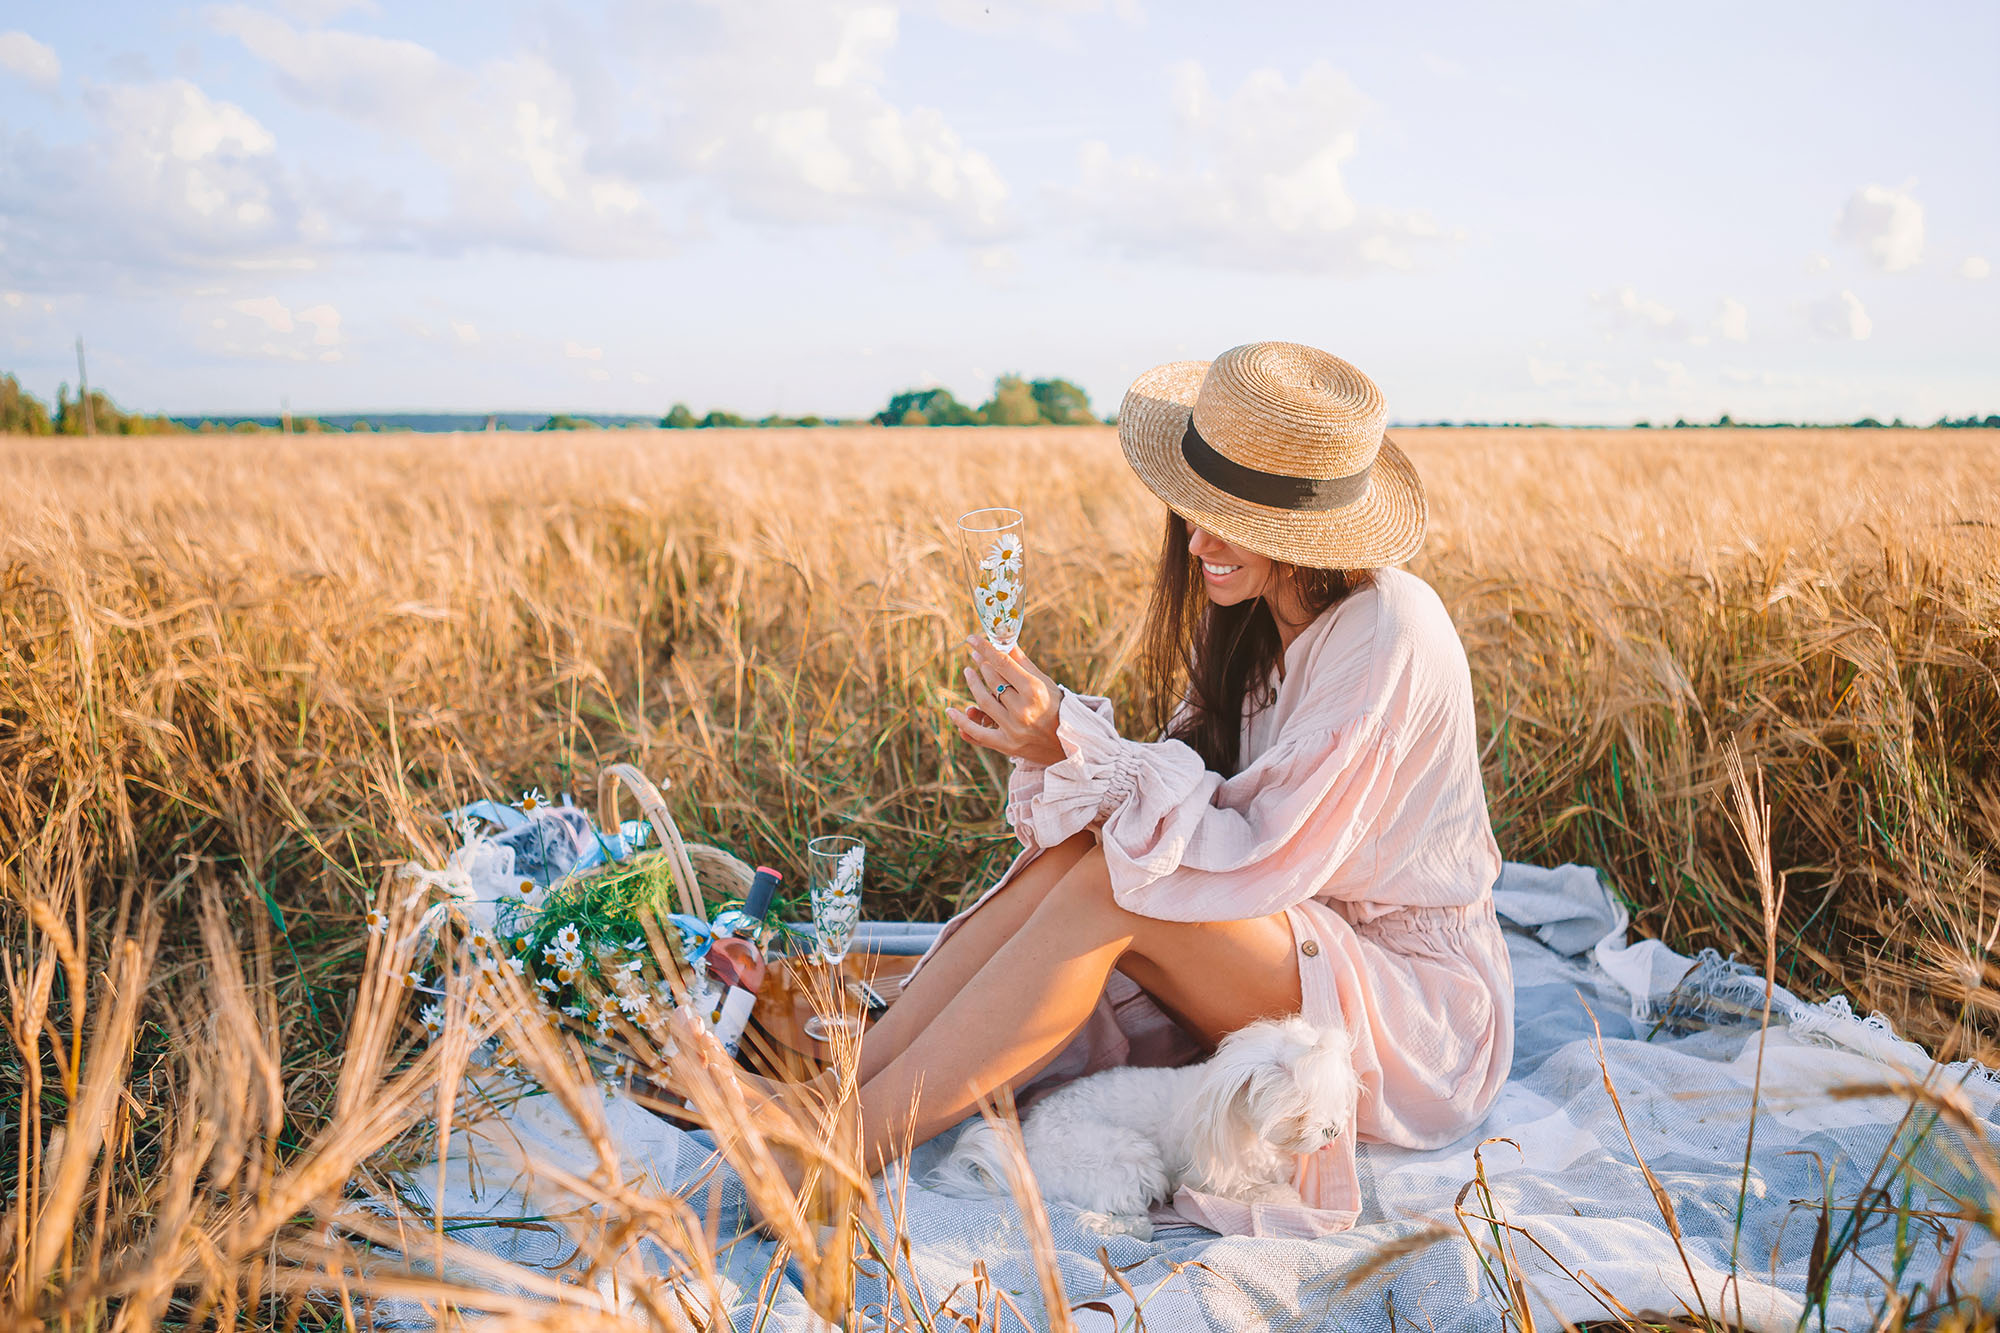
(968, 950)
(1039, 985)
(955, 963)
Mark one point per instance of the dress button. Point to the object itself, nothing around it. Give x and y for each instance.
(1310, 948)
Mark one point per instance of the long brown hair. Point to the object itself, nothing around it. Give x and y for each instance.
(1214, 656)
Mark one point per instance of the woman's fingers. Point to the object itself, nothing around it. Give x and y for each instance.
(1026, 665)
(998, 666)
(984, 695)
(973, 731)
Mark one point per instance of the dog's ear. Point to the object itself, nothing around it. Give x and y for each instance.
(1221, 1136)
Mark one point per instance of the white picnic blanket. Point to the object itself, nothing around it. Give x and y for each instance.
(1680, 1044)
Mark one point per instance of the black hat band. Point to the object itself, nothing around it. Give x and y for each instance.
(1274, 490)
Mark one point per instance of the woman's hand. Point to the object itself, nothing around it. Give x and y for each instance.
(1017, 705)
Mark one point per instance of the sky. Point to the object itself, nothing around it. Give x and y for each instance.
(1545, 210)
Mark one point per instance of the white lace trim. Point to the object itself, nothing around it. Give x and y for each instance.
(1720, 992)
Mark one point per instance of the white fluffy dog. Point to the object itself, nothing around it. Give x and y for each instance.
(1118, 1142)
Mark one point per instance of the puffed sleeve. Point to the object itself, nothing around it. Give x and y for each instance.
(1026, 783)
(1183, 843)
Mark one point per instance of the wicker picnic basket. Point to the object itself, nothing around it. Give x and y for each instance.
(701, 872)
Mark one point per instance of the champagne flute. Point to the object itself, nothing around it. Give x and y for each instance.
(991, 543)
(835, 863)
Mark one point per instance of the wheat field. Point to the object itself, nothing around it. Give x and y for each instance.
(236, 674)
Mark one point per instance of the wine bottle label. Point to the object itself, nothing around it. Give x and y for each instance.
(734, 1017)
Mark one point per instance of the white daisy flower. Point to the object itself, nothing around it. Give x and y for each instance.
(574, 1011)
(531, 800)
(568, 938)
(414, 977)
(378, 924)
(479, 939)
(527, 888)
(433, 1020)
(517, 967)
(847, 873)
(633, 1004)
(548, 985)
(1004, 554)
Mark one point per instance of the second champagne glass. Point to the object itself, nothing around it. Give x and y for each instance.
(992, 544)
(835, 863)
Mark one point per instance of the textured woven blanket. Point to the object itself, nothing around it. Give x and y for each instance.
(1567, 1219)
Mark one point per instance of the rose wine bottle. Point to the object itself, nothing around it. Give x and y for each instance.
(737, 960)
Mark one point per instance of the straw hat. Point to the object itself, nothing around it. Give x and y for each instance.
(1277, 448)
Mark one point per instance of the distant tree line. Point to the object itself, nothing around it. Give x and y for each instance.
(21, 413)
(1724, 422)
(681, 417)
(1015, 402)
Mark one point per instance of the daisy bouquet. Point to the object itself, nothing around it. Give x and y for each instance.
(578, 917)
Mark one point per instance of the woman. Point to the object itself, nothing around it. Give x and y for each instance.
(1311, 836)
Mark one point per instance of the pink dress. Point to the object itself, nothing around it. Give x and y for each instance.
(1359, 815)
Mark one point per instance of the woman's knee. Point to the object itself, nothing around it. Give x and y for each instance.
(1049, 867)
(1086, 885)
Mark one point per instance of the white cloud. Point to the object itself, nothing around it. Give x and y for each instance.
(1818, 263)
(266, 310)
(1888, 226)
(1257, 180)
(1547, 373)
(1975, 268)
(169, 178)
(576, 351)
(776, 104)
(264, 327)
(504, 137)
(1676, 373)
(1629, 310)
(782, 108)
(1732, 322)
(599, 374)
(30, 60)
(1840, 317)
(465, 331)
(324, 321)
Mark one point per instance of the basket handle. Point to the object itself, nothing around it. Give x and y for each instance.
(654, 807)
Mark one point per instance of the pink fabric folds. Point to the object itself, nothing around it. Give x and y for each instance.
(1360, 815)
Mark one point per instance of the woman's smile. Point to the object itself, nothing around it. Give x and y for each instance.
(1217, 573)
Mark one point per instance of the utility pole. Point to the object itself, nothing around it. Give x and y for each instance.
(83, 389)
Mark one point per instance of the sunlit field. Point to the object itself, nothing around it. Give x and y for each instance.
(242, 671)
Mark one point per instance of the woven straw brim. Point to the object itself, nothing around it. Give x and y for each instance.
(1383, 527)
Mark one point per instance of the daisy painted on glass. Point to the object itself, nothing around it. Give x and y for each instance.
(993, 544)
